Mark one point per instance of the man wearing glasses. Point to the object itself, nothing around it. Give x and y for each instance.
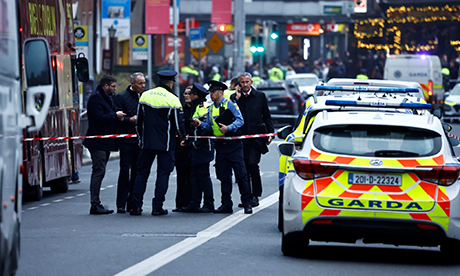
(102, 120)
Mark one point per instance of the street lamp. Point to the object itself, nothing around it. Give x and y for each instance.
(112, 32)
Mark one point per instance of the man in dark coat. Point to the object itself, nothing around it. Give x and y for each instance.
(128, 101)
(254, 108)
(102, 120)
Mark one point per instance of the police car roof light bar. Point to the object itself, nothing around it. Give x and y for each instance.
(380, 104)
(366, 89)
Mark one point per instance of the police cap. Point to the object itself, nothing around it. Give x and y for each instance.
(199, 90)
(216, 85)
(167, 74)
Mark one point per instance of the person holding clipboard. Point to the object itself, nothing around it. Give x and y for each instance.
(224, 119)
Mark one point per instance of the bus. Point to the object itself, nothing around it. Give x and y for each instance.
(51, 163)
(25, 80)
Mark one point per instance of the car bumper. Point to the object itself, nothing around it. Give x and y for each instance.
(302, 213)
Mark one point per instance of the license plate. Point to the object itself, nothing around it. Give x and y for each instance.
(272, 108)
(374, 179)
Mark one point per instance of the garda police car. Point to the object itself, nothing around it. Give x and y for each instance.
(375, 170)
(317, 103)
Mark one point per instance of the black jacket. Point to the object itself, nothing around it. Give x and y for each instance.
(159, 119)
(202, 150)
(256, 115)
(102, 120)
(127, 101)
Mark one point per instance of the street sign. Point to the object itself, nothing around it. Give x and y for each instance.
(229, 37)
(199, 43)
(140, 47)
(196, 52)
(196, 34)
(215, 43)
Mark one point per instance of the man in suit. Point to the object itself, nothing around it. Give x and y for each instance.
(254, 108)
(128, 101)
(102, 120)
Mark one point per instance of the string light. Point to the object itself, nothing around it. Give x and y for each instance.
(374, 28)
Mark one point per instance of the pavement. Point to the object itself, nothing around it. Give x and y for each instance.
(87, 157)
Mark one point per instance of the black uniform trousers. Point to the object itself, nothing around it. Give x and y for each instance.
(165, 165)
(252, 157)
(183, 169)
(201, 186)
(99, 159)
(229, 155)
(129, 153)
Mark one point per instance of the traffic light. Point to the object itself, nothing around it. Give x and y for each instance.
(274, 34)
(222, 28)
(257, 44)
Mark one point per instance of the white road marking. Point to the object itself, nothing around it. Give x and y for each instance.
(58, 200)
(82, 194)
(69, 197)
(162, 258)
(32, 208)
(45, 204)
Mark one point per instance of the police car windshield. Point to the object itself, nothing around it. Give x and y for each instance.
(377, 141)
(305, 81)
(455, 90)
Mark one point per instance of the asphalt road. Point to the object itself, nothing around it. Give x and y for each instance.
(59, 237)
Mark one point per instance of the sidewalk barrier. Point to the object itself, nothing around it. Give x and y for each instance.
(134, 135)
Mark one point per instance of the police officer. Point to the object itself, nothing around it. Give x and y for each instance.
(229, 153)
(202, 153)
(159, 119)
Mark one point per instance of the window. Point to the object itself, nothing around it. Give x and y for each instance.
(378, 141)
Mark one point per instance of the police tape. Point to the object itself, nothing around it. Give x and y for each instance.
(134, 135)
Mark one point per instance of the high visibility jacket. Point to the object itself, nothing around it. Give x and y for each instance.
(159, 119)
(362, 77)
(256, 80)
(275, 74)
(186, 69)
(215, 111)
(202, 150)
(228, 93)
(216, 77)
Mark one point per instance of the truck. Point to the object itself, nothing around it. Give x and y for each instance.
(27, 86)
(423, 69)
(51, 163)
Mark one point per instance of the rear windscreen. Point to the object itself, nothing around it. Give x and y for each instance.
(273, 92)
(378, 141)
(305, 81)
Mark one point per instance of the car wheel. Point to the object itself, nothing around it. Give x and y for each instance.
(450, 249)
(294, 244)
(280, 208)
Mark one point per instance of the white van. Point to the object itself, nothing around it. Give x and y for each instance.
(423, 69)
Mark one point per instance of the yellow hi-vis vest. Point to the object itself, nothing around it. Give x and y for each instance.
(256, 80)
(228, 93)
(275, 74)
(201, 110)
(215, 112)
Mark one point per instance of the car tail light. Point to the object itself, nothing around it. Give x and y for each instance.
(441, 175)
(322, 221)
(427, 226)
(430, 88)
(311, 169)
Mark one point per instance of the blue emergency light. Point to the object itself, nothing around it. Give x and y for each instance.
(379, 104)
(366, 89)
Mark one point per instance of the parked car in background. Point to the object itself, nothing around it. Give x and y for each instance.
(284, 101)
(452, 104)
(306, 82)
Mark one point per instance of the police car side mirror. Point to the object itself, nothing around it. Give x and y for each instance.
(284, 132)
(446, 127)
(82, 68)
(286, 148)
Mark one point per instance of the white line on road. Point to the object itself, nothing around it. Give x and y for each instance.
(58, 200)
(162, 258)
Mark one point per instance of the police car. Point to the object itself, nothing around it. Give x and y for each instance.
(380, 173)
(317, 103)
